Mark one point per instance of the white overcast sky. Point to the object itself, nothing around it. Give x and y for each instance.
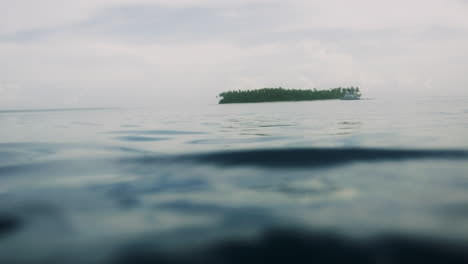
(86, 53)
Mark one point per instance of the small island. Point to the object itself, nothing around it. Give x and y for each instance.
(280, 94)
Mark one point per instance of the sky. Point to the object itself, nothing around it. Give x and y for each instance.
(127, 53)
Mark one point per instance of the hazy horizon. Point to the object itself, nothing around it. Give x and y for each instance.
(118, 145)
(122, 53)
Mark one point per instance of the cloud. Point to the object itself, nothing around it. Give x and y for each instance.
(119, 53)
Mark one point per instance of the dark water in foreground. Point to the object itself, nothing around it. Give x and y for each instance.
(371, 181)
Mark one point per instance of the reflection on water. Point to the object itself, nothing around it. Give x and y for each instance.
(236, 140)
(156, 132)
(139, 138)
(307, 182)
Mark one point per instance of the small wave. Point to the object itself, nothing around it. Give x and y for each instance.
(283, 245)
(311, 157)
(139, 138)
(268, 158)
(8, 224)
(276, 125)
(237, 140)
(157, 132)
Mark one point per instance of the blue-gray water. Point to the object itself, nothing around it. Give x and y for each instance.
(370, 181)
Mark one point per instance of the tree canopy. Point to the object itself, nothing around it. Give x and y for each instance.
(281, 94)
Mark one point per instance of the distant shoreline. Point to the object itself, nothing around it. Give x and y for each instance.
(285, 95)
(55, 109)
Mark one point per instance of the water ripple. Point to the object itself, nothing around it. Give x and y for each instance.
(157, 132)
(139, 138)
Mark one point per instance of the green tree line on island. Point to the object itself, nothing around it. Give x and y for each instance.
(281, 94)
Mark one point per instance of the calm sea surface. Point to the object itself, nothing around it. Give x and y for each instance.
(180, 185)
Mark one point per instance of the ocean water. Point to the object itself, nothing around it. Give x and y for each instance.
(369, 181)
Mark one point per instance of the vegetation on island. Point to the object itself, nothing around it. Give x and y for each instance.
(281, 94)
